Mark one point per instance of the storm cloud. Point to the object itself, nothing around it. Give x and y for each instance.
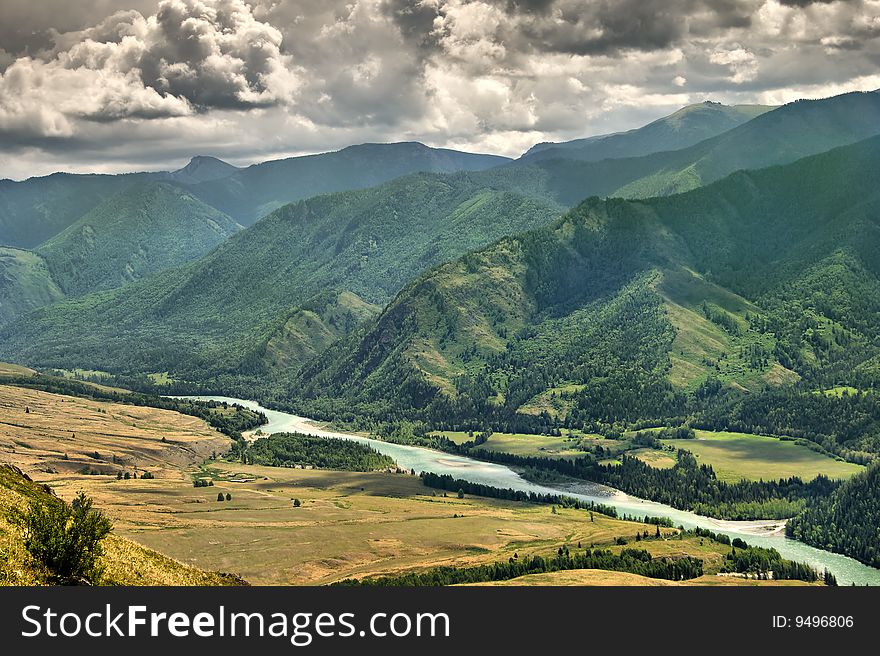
(133, 84)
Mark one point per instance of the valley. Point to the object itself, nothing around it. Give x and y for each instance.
(346, 524)
(679, 321)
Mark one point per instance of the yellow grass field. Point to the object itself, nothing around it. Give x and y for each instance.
(53, 433)
(597, 577)
(350, 524)
(124, 562)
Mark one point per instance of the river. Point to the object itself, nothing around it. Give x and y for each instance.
(764, 534)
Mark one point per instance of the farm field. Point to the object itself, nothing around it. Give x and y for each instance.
(736, 456)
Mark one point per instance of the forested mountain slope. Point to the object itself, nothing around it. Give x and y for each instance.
(147, 228)
(37, 209)
(25, 283)
(620, 308)
(224, 311)
(251, 193)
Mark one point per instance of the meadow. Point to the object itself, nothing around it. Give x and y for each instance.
(51, 433)
(736, 456)
(524, 444)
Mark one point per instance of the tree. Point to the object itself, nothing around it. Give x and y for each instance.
(228, 497)
(460, 493)
(220, 496)
(65, 538)
(297, 503)
(829, 578)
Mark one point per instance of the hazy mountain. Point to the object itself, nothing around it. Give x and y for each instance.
(780, 136)
(255, 191)
(684, 128)
(25, 283)
(202, 169)
(35, 210)
(232, 308)
(147, 228)
(619, 308)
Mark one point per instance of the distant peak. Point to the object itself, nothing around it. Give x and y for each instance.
(202, 168)
(200, 160)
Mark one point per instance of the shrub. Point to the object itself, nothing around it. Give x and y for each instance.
(65, 538)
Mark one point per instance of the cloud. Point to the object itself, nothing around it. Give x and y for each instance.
(141, 83)
(191, 56)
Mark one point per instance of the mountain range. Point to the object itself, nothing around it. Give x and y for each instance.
(619, 308)
(684, 128)
(164, 262)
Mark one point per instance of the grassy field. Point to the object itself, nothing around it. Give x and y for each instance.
(735, 456)
(523, 444)
(350, 524)
(124, 562)
(655, 457)
(8, 369)
(47, 433)
(839, 391)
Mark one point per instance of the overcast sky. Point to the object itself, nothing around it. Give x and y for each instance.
(120, 85)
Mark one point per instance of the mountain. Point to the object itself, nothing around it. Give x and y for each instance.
(780, 136)
(244, 306)
(251, 193)
(202, 169)
(37, 209)
(620, 311)
(684, 128)
(25, 283)
(147, 228)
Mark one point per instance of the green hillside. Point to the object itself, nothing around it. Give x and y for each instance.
(25, 283)
(681, 129)
(233, 308)
(632, 311)
(251, 193)
(37, 209)
(147, 228)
